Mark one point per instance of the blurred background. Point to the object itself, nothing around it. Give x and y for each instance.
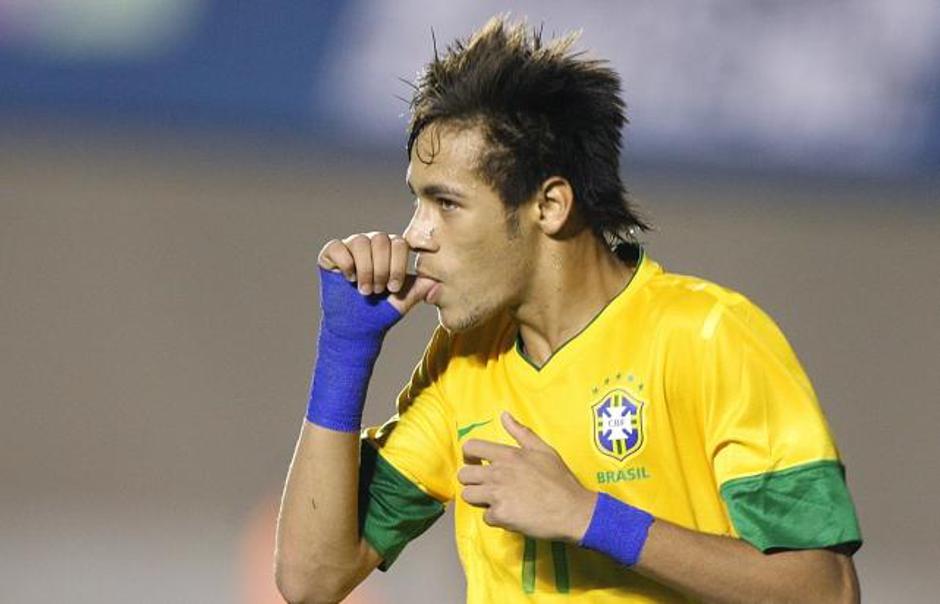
(170, 168)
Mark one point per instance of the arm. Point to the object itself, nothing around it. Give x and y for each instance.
(723, 569)
(530, 490)
(320, 556)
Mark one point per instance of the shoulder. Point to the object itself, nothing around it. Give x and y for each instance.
(685, 302)
(700, 317)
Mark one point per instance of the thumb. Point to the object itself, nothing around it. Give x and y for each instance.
(523, 435)
(412, 291)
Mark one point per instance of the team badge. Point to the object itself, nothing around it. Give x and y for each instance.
(618, 424)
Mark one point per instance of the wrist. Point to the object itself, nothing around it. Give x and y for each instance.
(579, 517)
(351, 334)
(340, 380)
(617, 529)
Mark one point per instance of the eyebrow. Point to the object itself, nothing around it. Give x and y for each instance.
(435, 190)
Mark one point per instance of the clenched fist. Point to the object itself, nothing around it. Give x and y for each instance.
(377, 262)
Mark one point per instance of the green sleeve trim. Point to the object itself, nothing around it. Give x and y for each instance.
(392, 509)
(803, 507)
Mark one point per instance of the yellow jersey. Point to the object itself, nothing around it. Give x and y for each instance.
(681, 398)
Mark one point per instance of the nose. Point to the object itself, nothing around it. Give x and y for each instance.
(419, 234)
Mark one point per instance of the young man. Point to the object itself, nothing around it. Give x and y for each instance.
(607, 431)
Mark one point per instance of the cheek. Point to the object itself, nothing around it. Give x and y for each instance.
(497, 271)
(487, 259)
(487, 265)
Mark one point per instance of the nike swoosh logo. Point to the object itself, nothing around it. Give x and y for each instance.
(461, 432)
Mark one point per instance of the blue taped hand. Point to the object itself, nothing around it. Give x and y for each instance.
(351, 333)
(348, 313)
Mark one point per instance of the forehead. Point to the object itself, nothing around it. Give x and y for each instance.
(446, 152)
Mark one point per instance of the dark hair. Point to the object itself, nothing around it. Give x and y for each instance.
(544, 111)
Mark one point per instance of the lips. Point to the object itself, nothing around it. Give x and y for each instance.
(433, 293)
(431, 296)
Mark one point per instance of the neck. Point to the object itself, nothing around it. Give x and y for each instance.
(573, 281)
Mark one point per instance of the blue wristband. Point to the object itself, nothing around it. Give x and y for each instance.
(617, 529)
(352, 328)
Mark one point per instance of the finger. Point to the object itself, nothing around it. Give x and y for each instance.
(490, 517)
(413, 291)
(478, 496)
(335, 255)
(381, 255)
(472, 474)
(523, 435)
(398, 263)
(361, 248)
(476, 450)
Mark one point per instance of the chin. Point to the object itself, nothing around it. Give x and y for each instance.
(449, 323)
(455, 322)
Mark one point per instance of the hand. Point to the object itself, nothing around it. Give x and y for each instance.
(376, 262)
(526, 489)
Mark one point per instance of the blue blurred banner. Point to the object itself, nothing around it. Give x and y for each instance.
(847, 85)
(238, 64)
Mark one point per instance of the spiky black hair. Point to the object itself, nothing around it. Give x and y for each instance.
(544, 111)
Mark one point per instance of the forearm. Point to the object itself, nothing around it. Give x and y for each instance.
(318, 542)
(722, 569)
(320, 555)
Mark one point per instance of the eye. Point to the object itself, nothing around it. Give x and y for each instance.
(447, 205)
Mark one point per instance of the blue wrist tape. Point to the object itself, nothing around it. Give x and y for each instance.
(351, 332)
(617, 529)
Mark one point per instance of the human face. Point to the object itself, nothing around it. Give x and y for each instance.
(461, 231)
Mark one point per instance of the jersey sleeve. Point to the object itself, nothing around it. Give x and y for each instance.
(408, 466)
(773, 456)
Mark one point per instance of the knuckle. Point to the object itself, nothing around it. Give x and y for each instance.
(344, 264)
(330, 244)
(381, 250)
(497, 514)
(328, 249)
(356, 240)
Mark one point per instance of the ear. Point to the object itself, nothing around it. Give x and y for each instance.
(555, 205)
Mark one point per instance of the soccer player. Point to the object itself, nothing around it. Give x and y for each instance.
(607, 431)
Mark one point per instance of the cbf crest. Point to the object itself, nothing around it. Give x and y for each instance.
(618, 424)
